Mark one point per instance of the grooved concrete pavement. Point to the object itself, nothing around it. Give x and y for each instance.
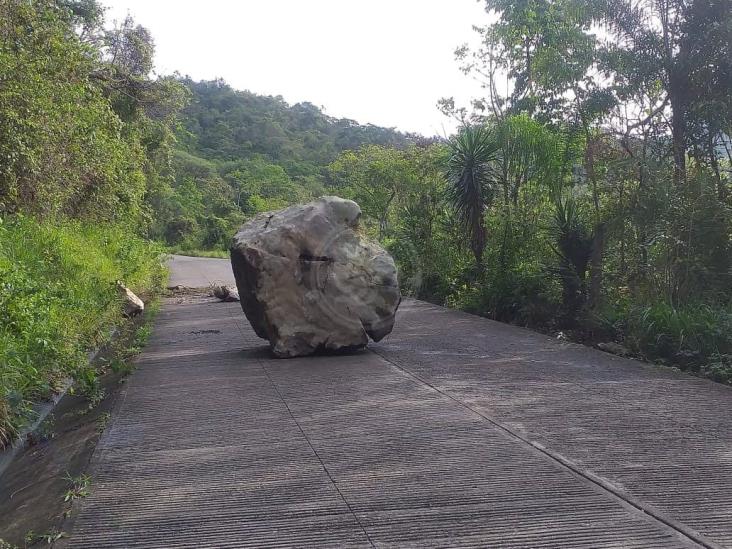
(454, 431)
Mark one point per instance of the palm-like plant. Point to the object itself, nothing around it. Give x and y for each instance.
(573, 246)
(469, 170)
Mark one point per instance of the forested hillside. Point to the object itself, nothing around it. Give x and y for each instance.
(239, 153)
(226, 124)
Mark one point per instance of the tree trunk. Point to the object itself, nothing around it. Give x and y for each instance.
(478, 244)
(714, 163)
(596, 262)
(678, 131)
(384, 217)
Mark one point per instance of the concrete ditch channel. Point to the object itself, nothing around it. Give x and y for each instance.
(453, 431)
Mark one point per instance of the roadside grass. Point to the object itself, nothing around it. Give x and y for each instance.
(693, 337)
(47, 538)
(221, 254)
(58, 300)
(118, 356)
(697, 339)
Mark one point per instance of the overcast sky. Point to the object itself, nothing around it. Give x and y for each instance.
(386, 62)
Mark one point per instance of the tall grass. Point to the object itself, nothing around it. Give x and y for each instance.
(693, 337)
(664, 331)
(58, 300)
(696, 338)
(218, 254)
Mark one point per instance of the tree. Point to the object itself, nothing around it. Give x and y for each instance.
(705, 48)
(651, 59)
(228, 124)
(65, 152)
(471, 177)
(573, 246)
(375, 177)
(668, 44)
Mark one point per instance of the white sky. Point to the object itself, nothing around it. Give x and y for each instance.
(386, 62)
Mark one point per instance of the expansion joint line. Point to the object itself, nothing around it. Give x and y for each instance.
(681, 530)
(315, 452)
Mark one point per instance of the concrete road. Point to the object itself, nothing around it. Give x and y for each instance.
(199, 272)
(454, 431)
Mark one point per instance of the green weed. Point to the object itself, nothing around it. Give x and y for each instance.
(44, 432)
(695, 338)
(32, 538)
(718, 368)
(102, 422)
(78, 487)
(667, 332)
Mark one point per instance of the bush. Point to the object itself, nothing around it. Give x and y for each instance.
(58, 300)
(522, 294)
(696, 338)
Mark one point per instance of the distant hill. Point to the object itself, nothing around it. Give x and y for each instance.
(239, 153)
(222, 123)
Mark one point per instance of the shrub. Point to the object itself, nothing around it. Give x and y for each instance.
(697, 338)
(520, 295)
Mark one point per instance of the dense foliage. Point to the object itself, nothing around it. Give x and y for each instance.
(227, 124)
(83, 128)
(592, 198)
(402, 194)
(85, 137)
(609, 212)
(60, 140)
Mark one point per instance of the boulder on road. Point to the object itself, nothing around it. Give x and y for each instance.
(309, 280)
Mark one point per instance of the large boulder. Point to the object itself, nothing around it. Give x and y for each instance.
(309, 280)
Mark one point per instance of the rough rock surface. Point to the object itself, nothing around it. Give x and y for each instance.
(132, 305)
(614, 348)
(225, 294)
(308, 280)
